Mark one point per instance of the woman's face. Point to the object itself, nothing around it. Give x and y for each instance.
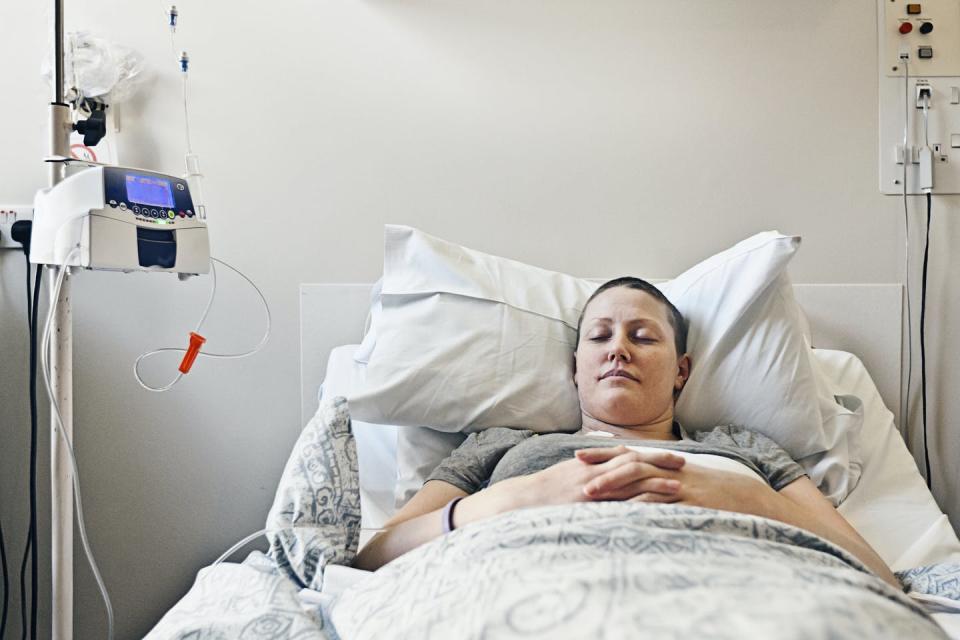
(627, 366)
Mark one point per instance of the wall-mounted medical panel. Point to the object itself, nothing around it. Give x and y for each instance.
(928, 31)
(928, 35)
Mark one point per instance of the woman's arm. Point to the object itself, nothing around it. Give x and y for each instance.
(420, 518)
(799, 503)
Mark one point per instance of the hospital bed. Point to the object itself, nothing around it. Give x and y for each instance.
(855, 329)
(890, 506)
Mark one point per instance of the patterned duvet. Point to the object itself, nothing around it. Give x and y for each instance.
(602, 570)
(592, 570)
(623, 570)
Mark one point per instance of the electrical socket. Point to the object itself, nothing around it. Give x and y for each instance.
(924, 93)
(10, 213)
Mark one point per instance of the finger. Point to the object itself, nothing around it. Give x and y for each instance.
(647, 485)
(623, 474)
(595, 455)
(664, 459)
(655, 497)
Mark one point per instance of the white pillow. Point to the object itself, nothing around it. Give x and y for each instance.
(464, 341)
(394, 461)
(376, 443)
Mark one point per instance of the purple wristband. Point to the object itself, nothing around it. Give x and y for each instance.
(447, 516)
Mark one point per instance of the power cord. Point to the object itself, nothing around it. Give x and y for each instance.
(6, 585)
(923, 346)
(926, 185)
(21, 232)
(34, 571)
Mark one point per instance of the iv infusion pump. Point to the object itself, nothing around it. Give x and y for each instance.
(120, 219)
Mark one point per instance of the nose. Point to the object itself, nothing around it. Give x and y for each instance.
(618, 350)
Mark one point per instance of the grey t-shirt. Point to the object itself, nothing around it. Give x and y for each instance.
(493, 455)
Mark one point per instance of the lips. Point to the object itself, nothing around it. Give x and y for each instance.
(620, 373)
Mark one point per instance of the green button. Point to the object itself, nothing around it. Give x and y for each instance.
(171, 215)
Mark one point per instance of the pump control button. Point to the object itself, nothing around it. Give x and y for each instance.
(171, 215)
(906, 27)
(925, 52)
(926, 28)
(123, 206)
(913, 9)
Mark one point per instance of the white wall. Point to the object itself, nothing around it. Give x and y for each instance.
(591, 137)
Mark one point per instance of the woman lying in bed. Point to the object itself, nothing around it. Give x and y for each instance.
(631, 365)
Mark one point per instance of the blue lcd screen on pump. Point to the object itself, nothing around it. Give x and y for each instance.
(155, 192)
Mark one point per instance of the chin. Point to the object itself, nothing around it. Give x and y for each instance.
(617, 414)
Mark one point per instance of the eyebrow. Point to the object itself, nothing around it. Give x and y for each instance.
(648, 321)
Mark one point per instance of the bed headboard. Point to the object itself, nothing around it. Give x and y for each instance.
(864, 319)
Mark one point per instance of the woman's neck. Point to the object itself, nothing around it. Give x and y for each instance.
(662, 429)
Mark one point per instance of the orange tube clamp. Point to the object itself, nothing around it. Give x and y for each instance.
(196, 341)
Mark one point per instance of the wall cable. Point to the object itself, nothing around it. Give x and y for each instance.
(30, 548)
(923, 348)
(6, 585)
(907, 157)
(34, 420)
(29, 543)
(923, 297)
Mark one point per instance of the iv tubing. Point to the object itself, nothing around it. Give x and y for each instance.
(45, 369)
(206, 354)
(186, 115)
(256, 534)
(253, 536)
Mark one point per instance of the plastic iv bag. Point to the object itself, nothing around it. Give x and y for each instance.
(99, 69)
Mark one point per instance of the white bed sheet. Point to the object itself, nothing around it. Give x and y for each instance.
(891, 506)
(950, 622)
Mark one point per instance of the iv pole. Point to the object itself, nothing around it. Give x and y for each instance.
(61, 359)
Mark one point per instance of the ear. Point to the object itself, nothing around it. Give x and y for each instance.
(683, 373)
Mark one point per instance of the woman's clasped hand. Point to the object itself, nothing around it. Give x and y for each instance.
(614, 473)
(619, 473)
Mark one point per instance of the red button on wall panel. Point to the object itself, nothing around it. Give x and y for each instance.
(906, 27)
